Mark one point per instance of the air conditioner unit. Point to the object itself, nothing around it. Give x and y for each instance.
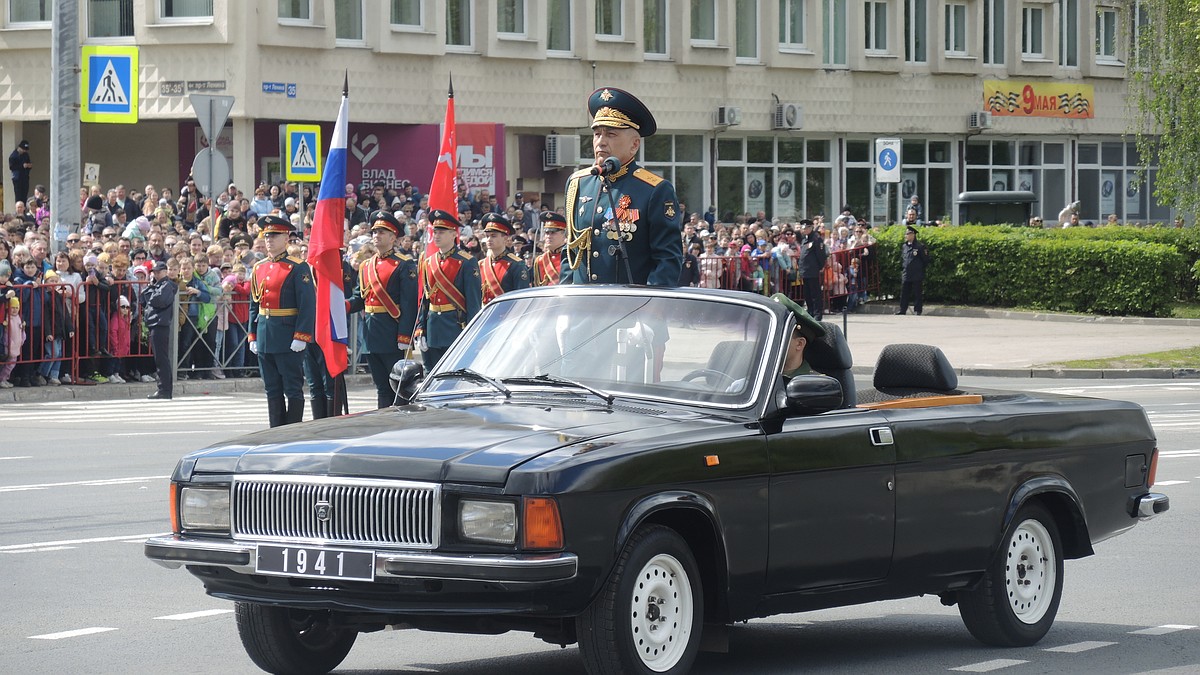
(728, 116)
(978, 121)
(562, 150)
(788, 116)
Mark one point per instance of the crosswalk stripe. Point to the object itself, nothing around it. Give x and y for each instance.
(1162, 630)
(71, 633)
(194, 615)
(1080, 647)
(989, 666)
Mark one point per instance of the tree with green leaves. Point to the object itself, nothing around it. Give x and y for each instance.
(1165, 90)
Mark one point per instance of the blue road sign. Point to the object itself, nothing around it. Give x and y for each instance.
(110, 84)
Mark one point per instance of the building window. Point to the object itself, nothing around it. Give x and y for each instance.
(654, 27)
(558, 26)
(1140, 32)
(185, 9)
(679, 159)
(916, 26)
(348, 20)
(1106, 34)
(704, 20)
(1031, 33)
(783, 176)
(110, 18)
(791, 23)
(1068, 44)
(30, 11)
(458, 23)
(875, 20)
(993, 32)
(608, 18)
(510, 16)
(746, 23)
(956, 29)
(298, 10)
(833, 25)
(407, 13)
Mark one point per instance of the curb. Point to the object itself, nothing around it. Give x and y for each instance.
(110, 392)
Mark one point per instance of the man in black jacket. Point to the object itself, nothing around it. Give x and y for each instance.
(813, 255)
(19, 165)
(914, 257)
(156, 301)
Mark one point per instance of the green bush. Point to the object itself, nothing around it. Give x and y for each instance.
(1103, 273)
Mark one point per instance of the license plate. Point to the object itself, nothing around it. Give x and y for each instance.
(316, 562)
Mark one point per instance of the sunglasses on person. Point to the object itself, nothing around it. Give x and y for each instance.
(73, 241)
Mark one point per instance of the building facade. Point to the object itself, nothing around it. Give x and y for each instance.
(762, 105)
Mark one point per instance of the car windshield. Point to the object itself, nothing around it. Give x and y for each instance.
(661, 346)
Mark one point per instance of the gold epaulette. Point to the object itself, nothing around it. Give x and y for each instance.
(402, 256)
(514, 257)
(464, 255)
(647, 176)
(581, 173)
(294, 260)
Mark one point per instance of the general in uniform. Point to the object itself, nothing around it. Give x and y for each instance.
(547, 267)
(629, 208)
(501, 271)
(282, 317)
(453, 291)
(387, 293)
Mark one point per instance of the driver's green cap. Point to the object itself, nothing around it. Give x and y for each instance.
(809, 327)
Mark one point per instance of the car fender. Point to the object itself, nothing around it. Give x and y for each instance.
(1064, 503)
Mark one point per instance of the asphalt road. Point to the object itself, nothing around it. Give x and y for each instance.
(82, 483)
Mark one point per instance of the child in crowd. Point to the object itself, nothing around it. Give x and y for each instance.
(118, 339)
(58, 324)
(12, 330)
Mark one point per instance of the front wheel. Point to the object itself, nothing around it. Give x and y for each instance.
(284, 640)
(648, 617)
(1015, 604)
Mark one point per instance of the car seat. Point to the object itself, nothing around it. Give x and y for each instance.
(830, 355)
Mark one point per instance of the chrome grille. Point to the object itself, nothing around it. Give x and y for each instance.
(357, 511)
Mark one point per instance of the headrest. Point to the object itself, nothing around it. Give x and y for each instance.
(829, 352)
(912, 366)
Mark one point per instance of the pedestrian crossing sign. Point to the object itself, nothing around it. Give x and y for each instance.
(302, 143)
(109, 85)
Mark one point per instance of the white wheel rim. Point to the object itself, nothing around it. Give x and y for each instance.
(1030, 572)
(660, 613)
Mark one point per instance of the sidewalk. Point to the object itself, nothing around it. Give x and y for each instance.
(983, 342)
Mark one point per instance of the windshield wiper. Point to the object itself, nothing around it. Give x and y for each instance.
(469, 374)
(547, 378)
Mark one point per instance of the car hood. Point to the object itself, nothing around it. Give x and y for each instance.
(457, 442)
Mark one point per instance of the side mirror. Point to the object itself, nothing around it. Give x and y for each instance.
(406, 378)
(813, 394)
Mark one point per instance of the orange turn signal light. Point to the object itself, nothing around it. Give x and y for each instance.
(711, 460)
(173, 500)
(543, 526)
(1153, 468)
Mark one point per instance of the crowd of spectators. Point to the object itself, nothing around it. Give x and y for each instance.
(71, 312)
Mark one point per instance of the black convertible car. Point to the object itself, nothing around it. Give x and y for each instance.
(625, 468)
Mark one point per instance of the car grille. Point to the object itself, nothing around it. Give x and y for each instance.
(337, 510)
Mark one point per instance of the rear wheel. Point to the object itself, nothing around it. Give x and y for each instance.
(1015, 604)
(284, 640)
(648, 617)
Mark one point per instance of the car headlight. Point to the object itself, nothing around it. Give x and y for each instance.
(204, 508)
(491, 522)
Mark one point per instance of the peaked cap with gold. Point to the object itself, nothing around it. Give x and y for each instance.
(612, 107)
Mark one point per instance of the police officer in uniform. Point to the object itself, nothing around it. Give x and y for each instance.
(452, 287)
(327, 394)
(387, 293)
(623, 222)
(501, 270)
(547, 267)
(282, 317)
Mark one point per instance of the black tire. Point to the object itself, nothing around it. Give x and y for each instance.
(655, 586)
(1015, 604)
(284, 640)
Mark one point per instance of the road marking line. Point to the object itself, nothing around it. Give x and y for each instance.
(1162, 630)
(70, 633)
(1166, 483)
(42, 550)
(69, 542)
(1079, 647)
(159, 433)
(989, 666)
(194, 615)
(109, 481)
(21, 457)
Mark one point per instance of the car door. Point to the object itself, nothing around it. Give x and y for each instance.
(832, 504)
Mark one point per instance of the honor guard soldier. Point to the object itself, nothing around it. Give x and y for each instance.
(547, 267)
(623, 222)
(502, 270)
(387, 293)
(327, 394)
(282, 316)
(452, 290)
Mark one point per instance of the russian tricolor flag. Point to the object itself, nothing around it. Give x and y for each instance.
(325, 249)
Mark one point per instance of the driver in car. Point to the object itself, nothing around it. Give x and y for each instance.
(807, 328)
